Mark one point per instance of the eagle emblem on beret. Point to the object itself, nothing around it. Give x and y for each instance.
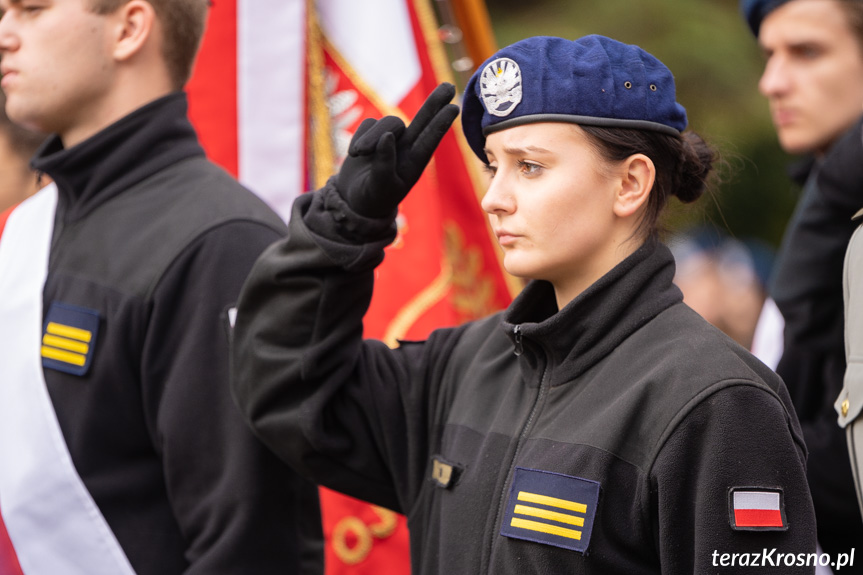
(500, 86)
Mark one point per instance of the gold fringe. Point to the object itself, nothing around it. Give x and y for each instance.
(322, 162)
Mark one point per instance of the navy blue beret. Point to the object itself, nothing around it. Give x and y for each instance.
(756, 10)
(592, 81)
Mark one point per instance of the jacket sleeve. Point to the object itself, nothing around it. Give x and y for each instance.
(738, 438)
(239, 508)
(351, 414)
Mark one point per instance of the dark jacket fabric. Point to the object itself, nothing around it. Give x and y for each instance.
(157, 241)
(625, 407)
(807, 288)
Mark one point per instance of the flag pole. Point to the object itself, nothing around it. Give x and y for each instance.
(470, 42)
(466, 29)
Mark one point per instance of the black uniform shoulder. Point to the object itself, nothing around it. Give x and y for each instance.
(200, 194)
(137, 234)
(660, 374)
(703, 355)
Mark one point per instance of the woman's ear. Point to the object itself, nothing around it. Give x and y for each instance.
(637, 176)
(133, 26)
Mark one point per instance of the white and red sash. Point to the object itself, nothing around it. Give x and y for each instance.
(52, 521)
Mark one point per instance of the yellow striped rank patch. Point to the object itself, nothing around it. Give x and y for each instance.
(551, 508)
(68, 338)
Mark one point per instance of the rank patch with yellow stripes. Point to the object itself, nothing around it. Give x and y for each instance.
(68, 338)
(551, 508)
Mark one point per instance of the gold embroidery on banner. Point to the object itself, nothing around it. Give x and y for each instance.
(472, 293)
(363, 546)
(351, 554)
(387, 524)
(421, 303)
(322, 161)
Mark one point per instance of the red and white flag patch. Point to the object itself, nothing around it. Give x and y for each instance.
(757, 509)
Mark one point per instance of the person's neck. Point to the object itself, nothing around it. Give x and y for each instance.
(567, 289)
(78, 133)
(130, 91)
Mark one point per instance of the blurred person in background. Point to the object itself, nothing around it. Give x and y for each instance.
(813, 82)
(724, 279)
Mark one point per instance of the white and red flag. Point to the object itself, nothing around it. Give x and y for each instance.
(757, 509)
(279, 89)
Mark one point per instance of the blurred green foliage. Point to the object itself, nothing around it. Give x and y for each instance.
(717, 64)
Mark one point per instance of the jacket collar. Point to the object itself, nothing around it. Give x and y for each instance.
(599, 319)
(133, 148)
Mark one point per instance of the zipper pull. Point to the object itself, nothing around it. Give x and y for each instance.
(519, 349)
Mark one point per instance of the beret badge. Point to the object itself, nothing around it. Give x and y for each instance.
(500, 86)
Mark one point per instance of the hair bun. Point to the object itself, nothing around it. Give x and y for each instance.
(696, 163)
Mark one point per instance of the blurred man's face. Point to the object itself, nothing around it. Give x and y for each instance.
(56, 64)
(813, 77)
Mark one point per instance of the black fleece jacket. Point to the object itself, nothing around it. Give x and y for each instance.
(633, 414)
(156, 240)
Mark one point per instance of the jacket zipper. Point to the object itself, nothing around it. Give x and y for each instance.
(519, 348)
(537, 403)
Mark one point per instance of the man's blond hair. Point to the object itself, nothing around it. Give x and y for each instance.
(183, 23)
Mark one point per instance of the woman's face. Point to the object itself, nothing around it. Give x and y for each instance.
(551, 205)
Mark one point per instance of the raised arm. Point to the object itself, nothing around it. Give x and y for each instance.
(348, 413)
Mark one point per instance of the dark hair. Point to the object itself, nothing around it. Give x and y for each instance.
(854, 15)
(683, 164)
(183, 23)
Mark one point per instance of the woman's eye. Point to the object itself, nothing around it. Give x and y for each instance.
(489, 169)
(529, 168)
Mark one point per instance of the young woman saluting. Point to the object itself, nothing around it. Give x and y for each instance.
(596, 426)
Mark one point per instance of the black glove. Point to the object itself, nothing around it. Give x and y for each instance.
(385, 158)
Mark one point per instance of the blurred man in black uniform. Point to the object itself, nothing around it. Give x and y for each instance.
(813, 81)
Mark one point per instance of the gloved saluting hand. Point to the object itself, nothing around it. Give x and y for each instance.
(385, 158)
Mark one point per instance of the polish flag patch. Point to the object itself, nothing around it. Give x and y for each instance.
(757, 509)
